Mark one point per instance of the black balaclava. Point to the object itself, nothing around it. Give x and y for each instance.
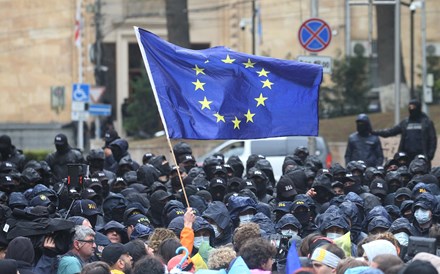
(415, 113)
(117, 152)
(303, 217)
(363, 128)
(356, 187)
(5, 146)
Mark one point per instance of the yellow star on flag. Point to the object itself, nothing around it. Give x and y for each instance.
(267, 83)
(249, 64)
(260, 100)
(236, 122)
(199, 85)
(228, 60)
(220, 117)
(262, 72)
(199, 70)
(205, 103)
(249, 116)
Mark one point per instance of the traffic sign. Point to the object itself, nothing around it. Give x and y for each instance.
(100, 110)
(314, 35)
(81, 92)
(324, 61)
(79, 115)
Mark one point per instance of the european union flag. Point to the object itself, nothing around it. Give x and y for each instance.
(218, 93)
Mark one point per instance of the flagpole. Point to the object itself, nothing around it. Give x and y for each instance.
(153, 86)
(178, 170)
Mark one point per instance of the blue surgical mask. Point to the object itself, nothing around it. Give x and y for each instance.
(333, 236)
(402, 238)
(245, 218)
(422, 216)
(199, 240)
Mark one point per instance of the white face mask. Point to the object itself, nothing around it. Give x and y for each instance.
(199, 240)
(333, 236)
(245, 218)
(402, 238)
(289, 232)
(216, 230)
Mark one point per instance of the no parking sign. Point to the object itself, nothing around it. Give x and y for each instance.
(314, 35)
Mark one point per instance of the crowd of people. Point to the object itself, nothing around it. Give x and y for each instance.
(107, 213)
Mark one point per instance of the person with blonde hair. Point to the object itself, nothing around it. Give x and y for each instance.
(221, 257)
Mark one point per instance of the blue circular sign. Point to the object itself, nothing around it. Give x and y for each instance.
(314, 35)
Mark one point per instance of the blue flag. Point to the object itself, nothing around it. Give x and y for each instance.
(218, 93)
(292, 263)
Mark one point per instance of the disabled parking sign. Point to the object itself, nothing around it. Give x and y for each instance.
(314, 35)
(81, 92)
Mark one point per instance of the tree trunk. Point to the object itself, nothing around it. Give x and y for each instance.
(177, 22)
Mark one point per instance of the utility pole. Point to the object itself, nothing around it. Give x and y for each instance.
(397, 62)
(97, 47)
(98, 60)
(80, 131)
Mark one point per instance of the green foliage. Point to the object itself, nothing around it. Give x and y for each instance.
(348, 94)
(141, 116)
(37, 155)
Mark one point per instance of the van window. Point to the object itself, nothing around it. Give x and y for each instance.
(269, 147)
(236, 148)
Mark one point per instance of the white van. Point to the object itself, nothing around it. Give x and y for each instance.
(274, 149)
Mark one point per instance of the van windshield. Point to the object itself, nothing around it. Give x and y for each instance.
(283, 147)
(236, 148)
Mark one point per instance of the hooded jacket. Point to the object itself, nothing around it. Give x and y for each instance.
(265, 223)
(364, 146)
(21, 250)
(217, 212)
(16, 156)
(288, 219)
(58, 161)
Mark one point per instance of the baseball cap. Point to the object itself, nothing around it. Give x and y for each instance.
(186, 158)
(249, 184)
(299, 203)
(137, 219)
(6, 167)
(403, 191)
(283, 206)
(378, 186)
(6, 180)
(337, 184)
(217, 182)
(220, 169)
(425, 201)
(60, 139)
(110, 136)
(286, 188)
(160, 195)
(113, 252)
(84, 207)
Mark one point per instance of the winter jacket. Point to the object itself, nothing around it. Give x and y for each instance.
(429, 135)
(58, 162)
(16, 157)
(365, 148)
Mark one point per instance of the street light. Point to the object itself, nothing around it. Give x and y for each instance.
(413, 7)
